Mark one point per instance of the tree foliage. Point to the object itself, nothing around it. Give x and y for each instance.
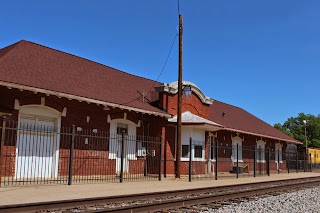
(295, 128)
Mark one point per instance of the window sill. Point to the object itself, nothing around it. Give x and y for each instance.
(261, 161)
(199, 159)
(193, 159)
(185, 159)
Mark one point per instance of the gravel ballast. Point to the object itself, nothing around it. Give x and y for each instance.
(307, 200)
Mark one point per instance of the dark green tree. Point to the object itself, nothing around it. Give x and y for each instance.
(295, 128)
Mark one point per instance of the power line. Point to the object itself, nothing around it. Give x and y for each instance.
(165, 63)
(164, 66)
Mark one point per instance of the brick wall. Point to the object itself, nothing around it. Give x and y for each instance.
(224, 140)
(193, 104)
(94, 157)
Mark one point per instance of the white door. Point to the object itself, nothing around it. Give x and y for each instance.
(125, 156)
(117, 127)
(36, 148)
(122, 128)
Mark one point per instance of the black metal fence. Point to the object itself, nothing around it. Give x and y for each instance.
(245, 161)
(41, 154)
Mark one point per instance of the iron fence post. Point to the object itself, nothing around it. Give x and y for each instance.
(237, 160)
(310, 162)
(269, 153)
(288, 161)
(122, 150)
(304, 162)
(160, 159)
(297, 166)
(216, 167)
(278, 161)
(190, 159)
(255, 161)
(145, 167)
(3, 133)
(71, 155)
(260, 164)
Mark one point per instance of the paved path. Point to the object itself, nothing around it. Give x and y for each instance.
(29, 194)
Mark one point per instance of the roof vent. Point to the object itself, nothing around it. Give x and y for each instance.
(223, 113)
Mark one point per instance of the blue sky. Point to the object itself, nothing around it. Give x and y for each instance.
(263, 56)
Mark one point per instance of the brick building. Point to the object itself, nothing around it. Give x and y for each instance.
(40, 86)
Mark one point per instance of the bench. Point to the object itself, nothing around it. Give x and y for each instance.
(243, 165)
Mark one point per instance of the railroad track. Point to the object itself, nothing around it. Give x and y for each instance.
(164, 201)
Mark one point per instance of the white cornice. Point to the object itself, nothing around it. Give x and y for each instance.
(173, 89)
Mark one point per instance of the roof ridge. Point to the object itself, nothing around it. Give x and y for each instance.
(51, 48)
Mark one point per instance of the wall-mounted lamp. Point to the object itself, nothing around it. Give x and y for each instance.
(186, 91)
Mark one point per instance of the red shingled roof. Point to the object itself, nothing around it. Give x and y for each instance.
(29, 64)
(237, 119)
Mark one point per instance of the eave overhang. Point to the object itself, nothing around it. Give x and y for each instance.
(262, 135)
(79, 98)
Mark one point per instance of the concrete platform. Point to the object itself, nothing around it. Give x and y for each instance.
(30, 194)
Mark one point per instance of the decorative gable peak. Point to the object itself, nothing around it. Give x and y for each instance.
(172, 88)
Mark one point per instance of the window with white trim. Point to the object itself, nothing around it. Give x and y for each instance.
(185, 153)
(198, 144)
(236, 140)
(278, 152)
(261, 151)
(198, 151)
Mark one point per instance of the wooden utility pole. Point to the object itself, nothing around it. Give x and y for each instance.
(178, 156)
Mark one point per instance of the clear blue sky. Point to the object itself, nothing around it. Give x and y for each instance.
(263, 56)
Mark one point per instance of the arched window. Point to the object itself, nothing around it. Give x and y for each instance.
(236, 140)
(261, 151)
(278, 152)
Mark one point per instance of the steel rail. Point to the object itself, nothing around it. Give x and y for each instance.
(74, 203)
(165, 205)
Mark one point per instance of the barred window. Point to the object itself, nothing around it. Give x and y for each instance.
(185, 151)
(197, 151)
